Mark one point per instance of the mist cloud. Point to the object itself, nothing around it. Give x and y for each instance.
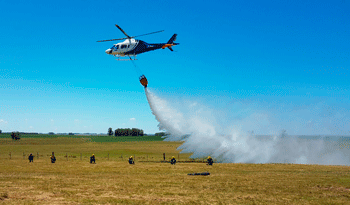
(224, 134)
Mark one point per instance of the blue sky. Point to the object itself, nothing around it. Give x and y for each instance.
(287, 59)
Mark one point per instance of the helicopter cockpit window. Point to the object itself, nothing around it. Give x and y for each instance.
(117, 46)
(123, 46)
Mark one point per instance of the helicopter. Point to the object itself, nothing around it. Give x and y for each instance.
(132, 47)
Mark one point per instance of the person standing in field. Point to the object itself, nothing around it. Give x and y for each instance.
(131, 160)
(164, 156)
(92, 159)
(53, 158)
(31, 157)
(173, 160)
(209, 161)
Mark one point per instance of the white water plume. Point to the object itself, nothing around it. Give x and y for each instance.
(197, 126)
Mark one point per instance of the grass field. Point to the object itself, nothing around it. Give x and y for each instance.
(94, 138)
(73, 180)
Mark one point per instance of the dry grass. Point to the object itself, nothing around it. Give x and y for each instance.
(75, 147)
(114, 181)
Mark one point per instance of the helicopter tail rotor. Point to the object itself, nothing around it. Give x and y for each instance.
(170, 43)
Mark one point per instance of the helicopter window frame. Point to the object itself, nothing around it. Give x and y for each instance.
(115, 47)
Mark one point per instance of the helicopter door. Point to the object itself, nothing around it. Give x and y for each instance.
(123, 48)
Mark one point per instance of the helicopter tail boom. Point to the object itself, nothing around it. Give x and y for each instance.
(170, 43)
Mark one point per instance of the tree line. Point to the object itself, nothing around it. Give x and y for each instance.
(125, 132)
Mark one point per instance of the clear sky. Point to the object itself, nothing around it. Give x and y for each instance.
(286, 59)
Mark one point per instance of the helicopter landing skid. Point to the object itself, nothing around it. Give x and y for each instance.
(120, 58)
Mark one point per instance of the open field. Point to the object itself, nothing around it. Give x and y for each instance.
(94, 138)
(81, 148)
(73, 180)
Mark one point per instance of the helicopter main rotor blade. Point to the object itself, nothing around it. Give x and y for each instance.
(117, 39)
(127, 36)
(148, 33)
(122, 31)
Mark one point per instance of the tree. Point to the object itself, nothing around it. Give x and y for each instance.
(110, 131)
(128, 132)
(15, 135)
(140, 133)
(116, 133)
(160, 134)
(134, 132)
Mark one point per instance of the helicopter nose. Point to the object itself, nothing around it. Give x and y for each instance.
(108, 51)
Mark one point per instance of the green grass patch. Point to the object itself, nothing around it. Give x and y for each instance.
(94, 138)
(125, 139)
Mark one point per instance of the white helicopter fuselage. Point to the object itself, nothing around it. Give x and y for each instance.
(120, 49)
(132, 47)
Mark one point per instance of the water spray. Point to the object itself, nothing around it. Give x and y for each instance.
(202, 136)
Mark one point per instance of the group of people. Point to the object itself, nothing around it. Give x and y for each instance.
(131, 159)
(52, 157)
